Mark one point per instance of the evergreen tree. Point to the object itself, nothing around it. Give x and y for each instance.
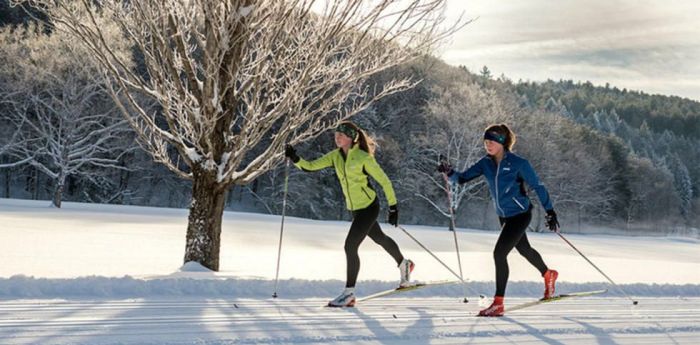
(485, 72)
(683, 186)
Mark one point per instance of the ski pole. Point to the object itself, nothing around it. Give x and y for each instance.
(284, 208)
(453, 226)
(596, 267)
(436, 258)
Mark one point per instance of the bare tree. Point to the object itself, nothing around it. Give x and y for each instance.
(236, 75)
(460, 111)
(68, 138)
(12, 142)
(10, 134)
(66, 121)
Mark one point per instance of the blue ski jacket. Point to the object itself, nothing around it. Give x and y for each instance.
(507, 183)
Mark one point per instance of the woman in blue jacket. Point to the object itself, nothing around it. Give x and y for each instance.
(507, 174)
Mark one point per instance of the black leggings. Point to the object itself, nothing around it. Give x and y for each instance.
(364, 223)
(513, 235)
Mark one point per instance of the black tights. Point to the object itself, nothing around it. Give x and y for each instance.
(364, 223)
(513, 235)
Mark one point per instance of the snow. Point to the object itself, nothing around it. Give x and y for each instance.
(192, 154)
(244, 11)
(105, 274)
(221, 170)
(192, 266)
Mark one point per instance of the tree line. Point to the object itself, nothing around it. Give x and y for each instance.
(609, 157)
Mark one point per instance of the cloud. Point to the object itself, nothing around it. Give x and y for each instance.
(631, 44)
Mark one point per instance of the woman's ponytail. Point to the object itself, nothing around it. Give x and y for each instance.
(365, 142)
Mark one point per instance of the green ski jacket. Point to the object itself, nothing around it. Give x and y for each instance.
(352, 174)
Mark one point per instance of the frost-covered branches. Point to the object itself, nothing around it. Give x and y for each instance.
(232, 75)
(459, 112)
(65, 122)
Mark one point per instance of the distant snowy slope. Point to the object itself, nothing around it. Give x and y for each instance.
(126, 251)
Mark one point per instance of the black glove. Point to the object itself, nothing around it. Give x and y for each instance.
(445, 168)
(394, 215)
(291, 153)
(551, 220)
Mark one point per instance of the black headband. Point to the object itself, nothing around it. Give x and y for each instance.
(347, 130)
(493, 136)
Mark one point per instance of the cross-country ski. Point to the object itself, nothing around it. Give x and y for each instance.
(554, 299)
(412, 287)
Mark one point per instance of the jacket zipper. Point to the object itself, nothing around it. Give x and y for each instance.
(345, 171)
(498, 204)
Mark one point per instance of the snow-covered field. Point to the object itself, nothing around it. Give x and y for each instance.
(97, 274)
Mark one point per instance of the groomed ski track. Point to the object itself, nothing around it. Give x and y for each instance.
(588, 320)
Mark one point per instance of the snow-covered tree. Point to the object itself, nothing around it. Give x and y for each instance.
(12, 142)
(67, 123)
(651, 191)
(552, 105)
(460, 113)
(10, 135)
(485, 72)
(238, 79)
(598, 118)
(71, 138)
(683, 185)
(613, 121)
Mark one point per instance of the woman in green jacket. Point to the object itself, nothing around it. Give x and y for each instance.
(354, 162)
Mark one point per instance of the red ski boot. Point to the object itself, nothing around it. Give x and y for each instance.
(496, 308)
(550, 278)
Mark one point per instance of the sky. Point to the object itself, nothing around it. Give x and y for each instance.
(652, 46)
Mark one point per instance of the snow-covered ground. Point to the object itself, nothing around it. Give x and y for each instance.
(97, 274)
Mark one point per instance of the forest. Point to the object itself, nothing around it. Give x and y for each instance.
(611, 158)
